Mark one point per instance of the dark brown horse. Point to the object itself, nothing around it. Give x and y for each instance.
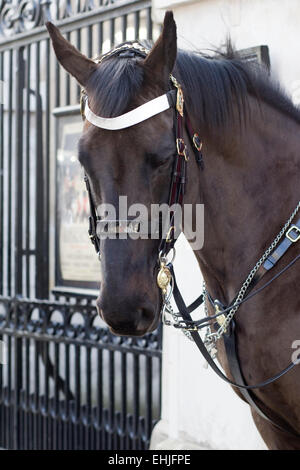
(250, 184)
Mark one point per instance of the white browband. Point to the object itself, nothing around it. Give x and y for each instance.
(143, 112)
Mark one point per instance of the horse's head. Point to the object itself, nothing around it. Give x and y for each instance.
(135, 161)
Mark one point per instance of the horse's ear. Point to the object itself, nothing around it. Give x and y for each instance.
(162, 57)
(69, 57)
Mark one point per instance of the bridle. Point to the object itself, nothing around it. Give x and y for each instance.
(223, 319)
(171, 99)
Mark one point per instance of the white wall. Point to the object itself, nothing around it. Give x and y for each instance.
(199, 410)
(206, 23)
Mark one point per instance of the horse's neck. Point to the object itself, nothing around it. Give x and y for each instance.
(249, 191)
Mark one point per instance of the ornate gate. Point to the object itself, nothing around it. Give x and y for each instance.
(65, 381)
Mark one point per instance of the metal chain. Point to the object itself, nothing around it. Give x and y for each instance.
(210, 345)
(215, 336)
(212, 337)
(168, 308)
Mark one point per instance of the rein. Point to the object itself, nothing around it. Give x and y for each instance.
(223, 319)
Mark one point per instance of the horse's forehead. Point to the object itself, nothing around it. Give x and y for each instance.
(151, 135)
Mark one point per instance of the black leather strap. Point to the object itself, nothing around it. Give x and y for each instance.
(235, 369)
(236, 372)
(202, 348)
(171, 95)
(230, 337)
(293, 236)
(195, 142)
(203, 322)
(92, 231)
(270, 262)
(199, 301)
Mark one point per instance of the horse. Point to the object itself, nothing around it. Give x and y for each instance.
(249, 186)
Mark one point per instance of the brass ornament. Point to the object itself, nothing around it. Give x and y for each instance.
(221, 318)
(179, 99)
(164, 278)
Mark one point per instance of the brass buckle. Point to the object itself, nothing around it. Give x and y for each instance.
(222, 317)
(288, 233)
(191, 328)
(181, 148)
(197, 142)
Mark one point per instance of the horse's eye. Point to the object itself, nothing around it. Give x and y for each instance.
(156, 160)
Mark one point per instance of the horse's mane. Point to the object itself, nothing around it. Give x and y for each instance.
(211, 84)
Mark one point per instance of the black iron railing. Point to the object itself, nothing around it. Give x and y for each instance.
(67, 382)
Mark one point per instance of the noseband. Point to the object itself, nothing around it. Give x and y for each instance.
(223, 319)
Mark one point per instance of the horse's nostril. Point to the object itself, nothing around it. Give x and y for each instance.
(145, 318)
(130, 322)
